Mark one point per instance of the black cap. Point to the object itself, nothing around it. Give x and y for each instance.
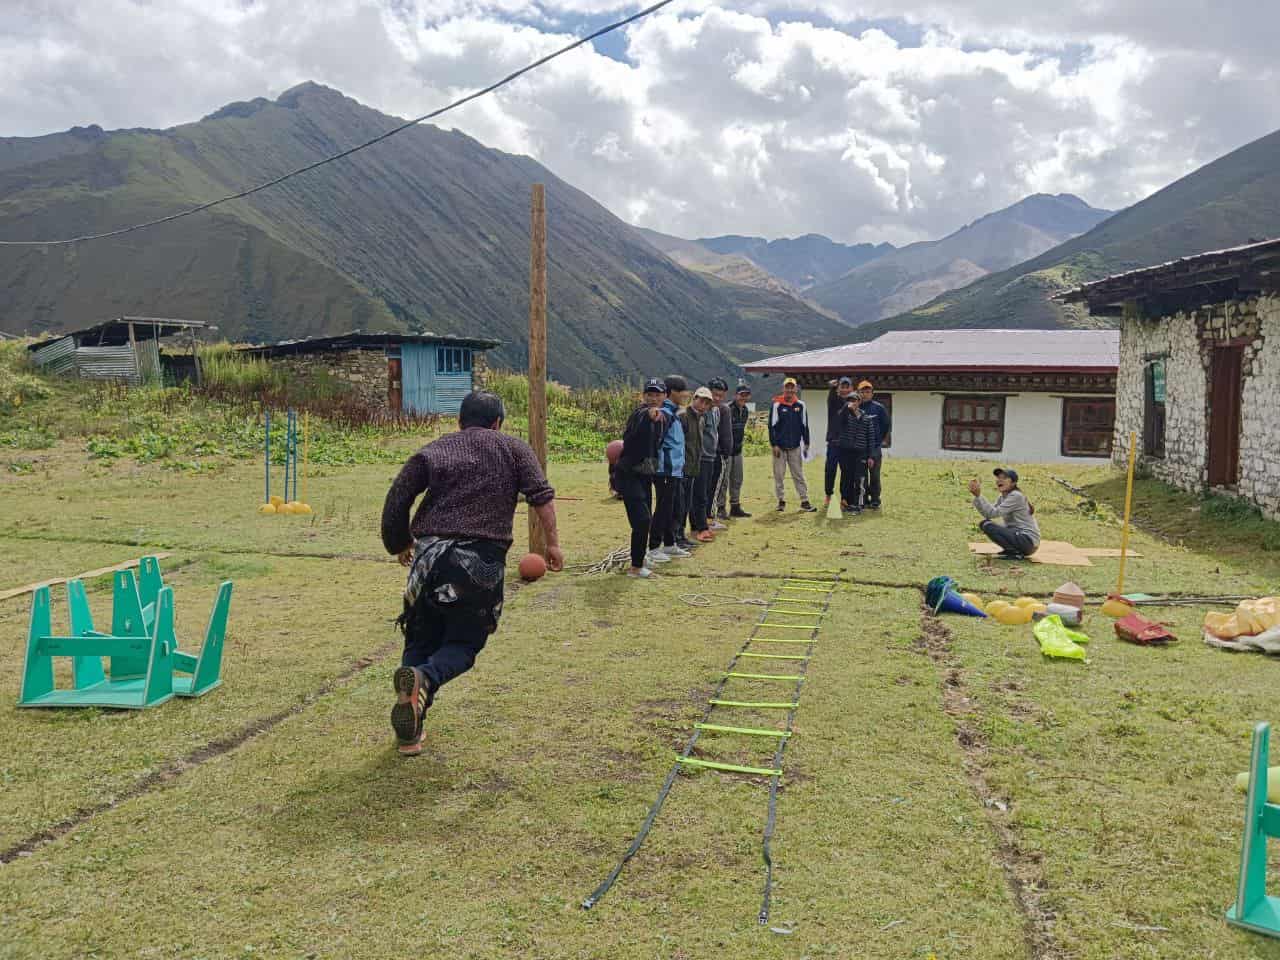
(654, 385)
(717, 383)
(1002, 472)
(743, 388)
(846, 381)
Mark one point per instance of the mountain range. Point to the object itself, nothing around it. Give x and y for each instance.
(425, 232)
(1230, 201)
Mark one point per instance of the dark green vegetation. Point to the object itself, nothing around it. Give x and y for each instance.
(1231, 201)
(905, 278)
(428, 231)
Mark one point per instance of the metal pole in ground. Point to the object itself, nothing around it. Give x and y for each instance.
(266, 457)
(1128, 506)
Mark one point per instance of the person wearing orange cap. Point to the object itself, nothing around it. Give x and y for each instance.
(789, 438)
(883, 426)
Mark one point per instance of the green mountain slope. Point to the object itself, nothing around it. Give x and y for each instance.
(427, 231)
(1230, 201)
(917, 273)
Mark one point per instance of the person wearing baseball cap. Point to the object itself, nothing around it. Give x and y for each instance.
(638, 464)
(719, 412)
(883, 424)
(789, 438)
(1019, 536)
(837, 397)
(704, 403)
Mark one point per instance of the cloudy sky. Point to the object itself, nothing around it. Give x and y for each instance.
(865, 120)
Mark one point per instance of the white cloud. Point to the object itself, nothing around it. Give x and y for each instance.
(765, 118)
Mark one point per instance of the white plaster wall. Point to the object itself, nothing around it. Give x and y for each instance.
(1032, 428)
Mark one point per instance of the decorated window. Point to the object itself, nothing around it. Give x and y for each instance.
(973, 423)
(1087, 426)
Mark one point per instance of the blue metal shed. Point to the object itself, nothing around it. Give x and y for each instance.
(426, 373)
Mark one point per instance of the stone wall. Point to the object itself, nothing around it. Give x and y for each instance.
(1185, 341)
(479, 370)
(364, 371)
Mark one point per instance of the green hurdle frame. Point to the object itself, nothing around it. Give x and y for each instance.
(1253, 909)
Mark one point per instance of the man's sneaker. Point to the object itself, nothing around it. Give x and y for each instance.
(412, 699)
(655, 556)
(1009, 555)
(806, 507)
(852, 511)
(686, 545)
(676, 552)
(738, 512)
(782, 505)
(722, 515)
(640, 574)
(874, 506)
(716, 525)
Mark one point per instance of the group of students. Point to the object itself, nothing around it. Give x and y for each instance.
(680, 470)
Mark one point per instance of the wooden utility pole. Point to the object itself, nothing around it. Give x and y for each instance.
(538, 352)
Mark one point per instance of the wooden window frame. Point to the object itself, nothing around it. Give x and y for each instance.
(986, 424)
(1154, 417)
(1067, 404)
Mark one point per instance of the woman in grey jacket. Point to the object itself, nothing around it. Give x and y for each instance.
(1019, 535)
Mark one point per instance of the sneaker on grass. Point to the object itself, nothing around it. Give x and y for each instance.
(676, 552)
(656, 556)
(640, 573)
(413, 697)
(806, 507)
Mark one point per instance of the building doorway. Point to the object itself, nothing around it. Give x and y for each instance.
(1225, 388)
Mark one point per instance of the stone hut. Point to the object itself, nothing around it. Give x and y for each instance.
(1199, 376)
(415, 373)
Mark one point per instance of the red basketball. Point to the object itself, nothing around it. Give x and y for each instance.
(532, 567)
(613, 451)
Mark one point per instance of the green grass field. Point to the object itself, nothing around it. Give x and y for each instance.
(948, 793)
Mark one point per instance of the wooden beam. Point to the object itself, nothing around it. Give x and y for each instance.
(87, 575)
(538, 351)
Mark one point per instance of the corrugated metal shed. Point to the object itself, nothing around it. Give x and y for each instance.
(56, 356)
(950, 350)
(107, 363)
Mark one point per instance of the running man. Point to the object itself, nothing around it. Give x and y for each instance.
(456, 550)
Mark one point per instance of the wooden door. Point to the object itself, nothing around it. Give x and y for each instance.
(1224, 416)
(395, 388)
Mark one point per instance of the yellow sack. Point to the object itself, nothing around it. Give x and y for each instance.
(1012, 614)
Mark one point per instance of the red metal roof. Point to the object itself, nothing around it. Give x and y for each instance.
(1091, 351)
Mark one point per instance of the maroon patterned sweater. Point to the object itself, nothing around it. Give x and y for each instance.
(471, 479)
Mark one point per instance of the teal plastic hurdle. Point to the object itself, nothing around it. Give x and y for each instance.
(1253, 909)
(145, 665)
(198, 673)
(205, 668)
(151, 685)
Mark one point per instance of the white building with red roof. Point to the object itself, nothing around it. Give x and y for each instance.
(1025, 396)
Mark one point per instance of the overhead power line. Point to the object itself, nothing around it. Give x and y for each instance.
(346, 153)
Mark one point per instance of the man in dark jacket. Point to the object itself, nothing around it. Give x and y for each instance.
(884, 426)
(724, 451)
(456, 548)
(789, 438)
(639, 465)
(731, 484)
(697, 418)
(855, 435)
(837, 397)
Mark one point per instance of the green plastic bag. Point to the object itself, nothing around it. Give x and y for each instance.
(1057, 641)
